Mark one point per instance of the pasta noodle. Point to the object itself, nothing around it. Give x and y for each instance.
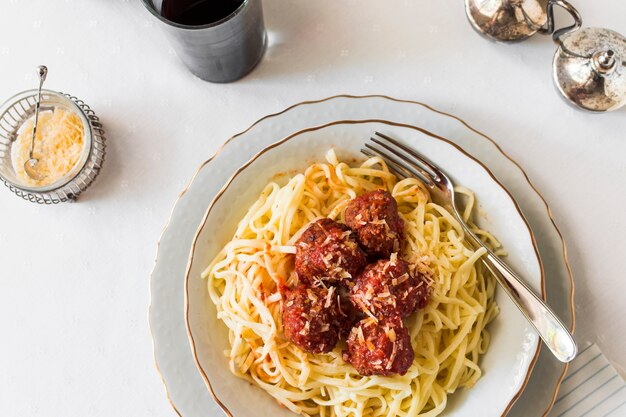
(448, 336)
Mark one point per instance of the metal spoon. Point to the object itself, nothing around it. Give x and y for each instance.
(30, 166)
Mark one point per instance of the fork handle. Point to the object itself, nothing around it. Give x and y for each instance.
(549, 327)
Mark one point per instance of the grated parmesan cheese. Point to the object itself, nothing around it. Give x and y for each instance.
(58, 146)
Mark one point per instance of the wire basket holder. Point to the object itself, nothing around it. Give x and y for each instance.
(20, 108)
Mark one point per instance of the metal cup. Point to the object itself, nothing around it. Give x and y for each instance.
(222, 51)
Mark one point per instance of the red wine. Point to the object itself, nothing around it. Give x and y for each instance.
(198, 12)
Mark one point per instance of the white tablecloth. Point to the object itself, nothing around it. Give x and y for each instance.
(74, 277)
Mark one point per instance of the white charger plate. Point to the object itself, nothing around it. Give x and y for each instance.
(514, 345)
(183, 383)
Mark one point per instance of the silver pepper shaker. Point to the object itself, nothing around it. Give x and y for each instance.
(589, 67)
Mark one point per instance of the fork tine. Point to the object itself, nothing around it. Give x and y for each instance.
(398, 156)
(419, 159)
(392, 167)
(399, 163)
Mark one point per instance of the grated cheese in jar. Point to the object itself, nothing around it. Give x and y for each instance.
(58, 146)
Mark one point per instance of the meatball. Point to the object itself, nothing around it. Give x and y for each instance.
(310, 318)
(387, 288)
(328, 251)
(374, 216)
(347, 314)
(382, 348)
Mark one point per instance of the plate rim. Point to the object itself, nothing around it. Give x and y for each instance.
(359, 98)
(284, 140)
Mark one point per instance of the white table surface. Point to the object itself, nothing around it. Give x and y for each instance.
(74, 337)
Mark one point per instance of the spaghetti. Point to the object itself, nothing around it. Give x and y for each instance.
(448, 336)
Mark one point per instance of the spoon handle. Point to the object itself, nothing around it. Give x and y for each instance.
(43, 71)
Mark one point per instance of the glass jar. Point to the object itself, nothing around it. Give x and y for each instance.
(21, 107)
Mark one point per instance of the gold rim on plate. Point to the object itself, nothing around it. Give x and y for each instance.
(312, 129)
(549, 211)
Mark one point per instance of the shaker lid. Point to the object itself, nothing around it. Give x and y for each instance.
(590, 69)
(506, 20)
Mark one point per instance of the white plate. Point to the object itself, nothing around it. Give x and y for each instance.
(184, 385)
(513, 345)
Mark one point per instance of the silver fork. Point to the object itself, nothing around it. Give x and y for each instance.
(406, 162)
